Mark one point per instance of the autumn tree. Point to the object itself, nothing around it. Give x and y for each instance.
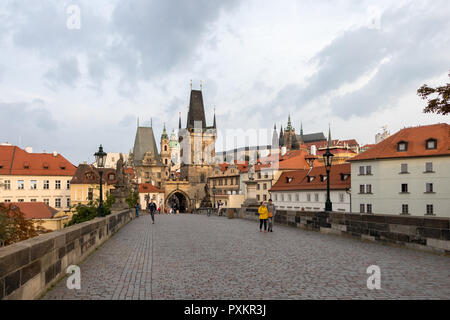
(439, 104)
(15, 227)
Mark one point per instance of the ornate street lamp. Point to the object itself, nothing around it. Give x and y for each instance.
(100, 158)
(328, 159)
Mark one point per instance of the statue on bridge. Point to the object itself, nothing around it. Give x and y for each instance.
(122, 187)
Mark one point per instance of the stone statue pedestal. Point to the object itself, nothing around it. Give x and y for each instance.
(250, 195)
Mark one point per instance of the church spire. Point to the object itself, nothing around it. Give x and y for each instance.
(214, 121)
(289, 125)
(329, 135)
(179, 120)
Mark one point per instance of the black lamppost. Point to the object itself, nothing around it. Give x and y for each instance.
(100, 158)
(328, 158)
(214, 195)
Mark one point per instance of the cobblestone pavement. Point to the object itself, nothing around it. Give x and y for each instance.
(199, 257)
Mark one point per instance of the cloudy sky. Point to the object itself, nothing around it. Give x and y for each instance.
(353, 64)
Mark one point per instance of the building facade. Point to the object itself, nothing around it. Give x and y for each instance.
(407, 173)
(35, 177)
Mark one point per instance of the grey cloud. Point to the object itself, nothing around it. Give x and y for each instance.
(408, 36)
(65, 73)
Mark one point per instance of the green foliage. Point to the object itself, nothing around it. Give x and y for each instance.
(132, 199)
(441, 103)
(89, 211)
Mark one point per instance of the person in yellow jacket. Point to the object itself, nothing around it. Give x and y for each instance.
(263, 216)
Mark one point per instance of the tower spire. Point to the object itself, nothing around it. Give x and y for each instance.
(179, 120)
(329, 135)
(214, 121)
(138, 122)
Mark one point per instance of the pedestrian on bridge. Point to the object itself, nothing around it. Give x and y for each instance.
(263, 216)
(137, 209)
(152, 210)
(272, 211)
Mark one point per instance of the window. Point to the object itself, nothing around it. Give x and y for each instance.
(7, 200)
(316, 197)
(259, 175)
(429, 167)
(214, 182)
(33, 185)
(7, 184)
(58, 184)
(264, 186)
(165, 161)
(297, 197)
(361, 208)
(404, 188)
(404, 168)
(258, 197)
(431, 144)
(257, 186)
(341, 197)
(32, 200)
(405, 209)
(264, 197)
(289, 197)
(19, 200)
(58, 203)
(20, 185)
(90, 194)
(282, 197)
(361, 170)
(308, 197)
(429, 187)
(67, 202)
(361, 188)
(402, 146)
(47, 201)
(165, 148)
(430, 210)
(46, 184)
(147, 175)
(225, 181)
(276, 196)
(368, 169)
(369, 208)
(159, 176)
(368, 188)
(68, 184)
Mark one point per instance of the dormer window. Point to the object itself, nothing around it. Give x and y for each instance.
(310, 178)
(323, 178)
(289, 179)
(26, 165)
(402, 146)
(344, 176)
(431, 144)
(45, 165)
(111, 176)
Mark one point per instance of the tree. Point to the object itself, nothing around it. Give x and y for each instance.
(132, 199)
(439, 104)
(89, 211)
(14, 226)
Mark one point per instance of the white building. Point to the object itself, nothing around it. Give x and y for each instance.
(35, 177)
(112, 158)
(407, 173)
(307, 189)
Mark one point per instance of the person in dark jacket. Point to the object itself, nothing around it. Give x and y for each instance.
(152, 210)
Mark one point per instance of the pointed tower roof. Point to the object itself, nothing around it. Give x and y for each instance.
(145, 141)
(329, 135)
(281, 136)
(289, 125)
(275, 141)
(196, 110)
(179, 121)
(214, 122)
(164, 134)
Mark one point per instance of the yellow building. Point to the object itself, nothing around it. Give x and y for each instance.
(85, 184)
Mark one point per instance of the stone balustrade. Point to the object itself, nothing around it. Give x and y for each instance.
(28, 268)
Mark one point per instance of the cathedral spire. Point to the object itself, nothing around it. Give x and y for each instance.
(289, 125)
(214, 121)
(329, 135)
(179, 120)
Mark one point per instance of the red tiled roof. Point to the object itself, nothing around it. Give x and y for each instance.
(16, 161)
(33, 210)
(88, 174)
(130, 171)
(149, 188)
(300, 179)
(416, 138)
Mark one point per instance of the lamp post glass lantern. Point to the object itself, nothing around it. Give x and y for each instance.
(100, 157)
(328, 159)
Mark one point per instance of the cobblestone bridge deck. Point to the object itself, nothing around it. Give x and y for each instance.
(200, 257)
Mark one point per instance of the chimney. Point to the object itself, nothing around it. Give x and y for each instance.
(313, 150)
(283, 151)
(29, 149)
(55, 153)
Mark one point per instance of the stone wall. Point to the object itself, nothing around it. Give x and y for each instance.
(28, 268)
(423, 233)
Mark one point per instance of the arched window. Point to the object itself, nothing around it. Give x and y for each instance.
(165, 148)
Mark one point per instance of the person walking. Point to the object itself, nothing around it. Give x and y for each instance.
(272, 211)
(152, 209)
(263, 216)
(137, 209)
